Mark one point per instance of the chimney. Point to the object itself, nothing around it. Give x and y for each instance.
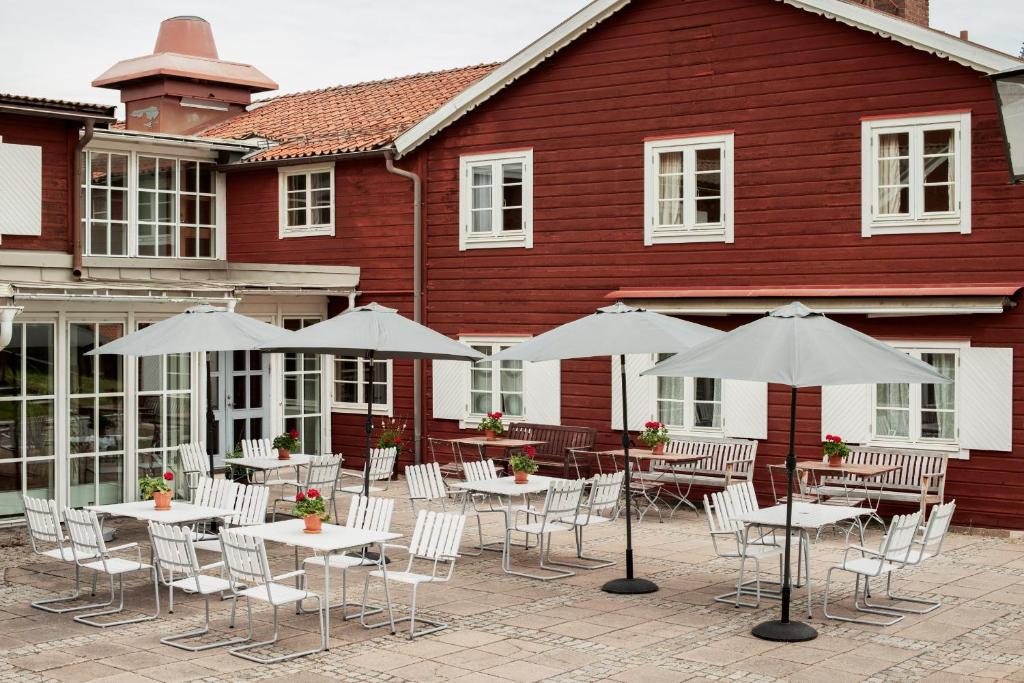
(184, 86)
(915, 11)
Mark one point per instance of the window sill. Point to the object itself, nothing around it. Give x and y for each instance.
(682, 237)
(356, 409)
(322, 231)
(916, 227)
(473, 421)
(951, 449)
(696, 433)
(515, 240)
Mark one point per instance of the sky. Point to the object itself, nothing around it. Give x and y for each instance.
(59, 46)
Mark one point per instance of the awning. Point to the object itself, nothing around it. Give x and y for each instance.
(870, 300)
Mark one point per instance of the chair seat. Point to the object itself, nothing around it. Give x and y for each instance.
(853, 501)
(278, 594)
(340, 561)
(211, 545)
(207, 584)
(868, 566)
(117, 565)
(404, 577)
(62, 553)
(541, 527)
(764, 550)
(916, 557)
(585, 520)
(359, 489)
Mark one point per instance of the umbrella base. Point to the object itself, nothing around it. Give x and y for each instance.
(788, 632)
(629, 586)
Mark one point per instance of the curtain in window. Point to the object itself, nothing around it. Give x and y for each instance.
(670, 188)
(890, 172)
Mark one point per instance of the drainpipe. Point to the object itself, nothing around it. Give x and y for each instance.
(76, 200)
(417, 292)
(7, 314)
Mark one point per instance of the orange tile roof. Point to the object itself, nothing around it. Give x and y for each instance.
(346, 118)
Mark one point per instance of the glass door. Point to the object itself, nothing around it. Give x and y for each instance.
(303, 384)
(239, 397)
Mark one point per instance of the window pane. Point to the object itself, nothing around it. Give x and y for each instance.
(672, 388)
(147, 206)
(206, 178)
(481, 402)
(38, 360)
(187, 209)
(938, 170)
(98, 168)
(296, 182)
(670, 213)
(481, 198)
(709, 211)
(187, 243)
(118, 239)
(940, 396)
(10, 365)
(147, 173)
(939, 198)
(893, 171)
(189, 176)
(111, 479)
(511, 173)
(118, 200)
(671, 187)
(149, 420)
(321, 197)
(111, 423)
(320, 180)
(178, 420)
(671, 413)
(98, 204)
(481, 221)
(938, 425)
(481, 378)
(512, 404)
(297, 218)
(512, 195)
(893, 145)
(165, 177)
(709, 185)
(150, 373)
(10, 430)
(81, 337)
(707, 415)
(894, 200)
(892, 423)
(481, 175)
(178, 372)
(98, 239)
(321, 217)
(708, 160)
(670, 163)
(939, 141)
(893, 395)
(207, 242)
(81, 427)
(707, 389)
(512, 219)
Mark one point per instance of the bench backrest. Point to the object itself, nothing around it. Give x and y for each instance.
(740, 454)
(914, 466)
(557, 439)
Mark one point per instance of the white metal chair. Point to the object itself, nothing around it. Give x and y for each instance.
(250, 506)
(216, 493)
(927, 546)
(245, 559)
(367, 514)
(195, 463)
(602, 507)
(435, 541)
(322, 475)
(91, 552)
(262, 448)
(382, 466)
(44, 530)
(426, 484)
(561, 508)
(175, 555)
(892, 554)
(486, 470)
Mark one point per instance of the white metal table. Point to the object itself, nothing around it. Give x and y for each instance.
(506, 488)
(267, 465)
(807, 517)
(332, 539)
(145, 511)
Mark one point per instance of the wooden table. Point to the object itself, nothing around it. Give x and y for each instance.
(668, 459)
(818, 469)
(505, 444)
(266, 465)
(645, 454)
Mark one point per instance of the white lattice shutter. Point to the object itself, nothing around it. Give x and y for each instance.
(846, 412)
(640, 390)
(745, 409)
(450, 389)
(542, 392)
(986, 399)
(21, 189)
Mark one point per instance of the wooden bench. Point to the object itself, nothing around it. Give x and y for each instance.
(920, 477)
(729, 461)
(558, 440)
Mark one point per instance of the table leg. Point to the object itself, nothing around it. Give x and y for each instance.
(806, 539)
(325, 603)
(298, 605)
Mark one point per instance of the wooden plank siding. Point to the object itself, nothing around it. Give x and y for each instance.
(793, 86)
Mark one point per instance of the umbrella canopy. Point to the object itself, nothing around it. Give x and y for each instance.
(798, 347)
(612, 331)
(201, 328)
(372, 328)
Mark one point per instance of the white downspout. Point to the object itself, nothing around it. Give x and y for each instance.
(7, 314)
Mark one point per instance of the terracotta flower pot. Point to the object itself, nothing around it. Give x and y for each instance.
(835, 460)
(313, 524)
(490, 435)
(284, 454)
(659, 449)
(162, 499)
(522, 477)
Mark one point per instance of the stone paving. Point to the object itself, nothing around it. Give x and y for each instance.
(515, 629)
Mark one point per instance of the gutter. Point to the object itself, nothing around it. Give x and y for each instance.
(76, 200)
(297, 161)
(417, 291)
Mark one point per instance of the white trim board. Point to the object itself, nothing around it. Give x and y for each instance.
(971, 55)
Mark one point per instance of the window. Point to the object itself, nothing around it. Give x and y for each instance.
(496, 388)
(164, 419)
(27, 392)
(143, 205)
(306, 201)
(688, 193)
(303, 377)
(916, 174)
(496, 200)
(919, 413)
(350, 385)
(688, 404)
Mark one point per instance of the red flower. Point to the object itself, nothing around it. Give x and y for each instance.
(652, 425)
(398, 439)
(496, 415)
(530, 451)
(299, 497)
(169, 476)
(294, 433)
(312, 493)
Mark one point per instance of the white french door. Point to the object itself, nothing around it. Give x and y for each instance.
(239, 393)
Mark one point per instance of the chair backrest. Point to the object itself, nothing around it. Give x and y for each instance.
(605, 490)
(322, 474)
(935, 530)
(258, 448)
(437, 536)
(382, 463)
(557, 439)
(563, 499)
(85, 534)
(194, 460)
(250, 505)
(216, 493)
(899, 539)
(370, 514)
(425, 481)
(480, 470)
(912, 467)
(737, 454)
(173, 551)
(43, 522)
(727, 505)
(245, 559)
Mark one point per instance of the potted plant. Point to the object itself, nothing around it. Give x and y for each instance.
(491, 426)
(391, 435)
(158, 489)
(242, 475)
(286, 443)
(523, 464)
(655, 436)
(311, 507)
(835, 450)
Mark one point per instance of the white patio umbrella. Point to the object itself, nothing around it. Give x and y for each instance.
(372, 332)
(615, 331)
(797, 347)
(203, 328)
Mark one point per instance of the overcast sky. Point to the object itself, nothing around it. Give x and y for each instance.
(54, 48)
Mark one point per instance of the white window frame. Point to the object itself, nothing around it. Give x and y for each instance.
(308, 230)
(359, 407)
(497, 238)
(918, 221)
(471, 420)
(915, 349)
(688, 428)
(690, 231)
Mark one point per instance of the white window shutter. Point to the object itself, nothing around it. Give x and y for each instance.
(542, 392)
(745, 409)
(21, 189)
(846, 412)
(641, 391)
(450, 389)
(986, 399)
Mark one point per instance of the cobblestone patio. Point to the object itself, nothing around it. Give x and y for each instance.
(514, 629)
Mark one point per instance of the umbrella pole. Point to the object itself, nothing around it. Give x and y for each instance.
(629, 585)
(369, 423)
(211, 431)
(785, 630)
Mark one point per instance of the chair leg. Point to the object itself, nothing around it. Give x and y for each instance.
(391, 621)
(242, 650)
(90, 618)
(544, 549)
(174, 640)
(929, 605)
(45, 605)
(596, 562)
(896, 618)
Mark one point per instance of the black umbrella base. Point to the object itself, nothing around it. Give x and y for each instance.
(629, 586)
(789, 632)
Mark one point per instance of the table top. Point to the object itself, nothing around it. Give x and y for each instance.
(645, 454)
(506, 486)
(145, 510)
(332, 537)
(808, 516)
(497, 443)
(852, 469)
(296, 460)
